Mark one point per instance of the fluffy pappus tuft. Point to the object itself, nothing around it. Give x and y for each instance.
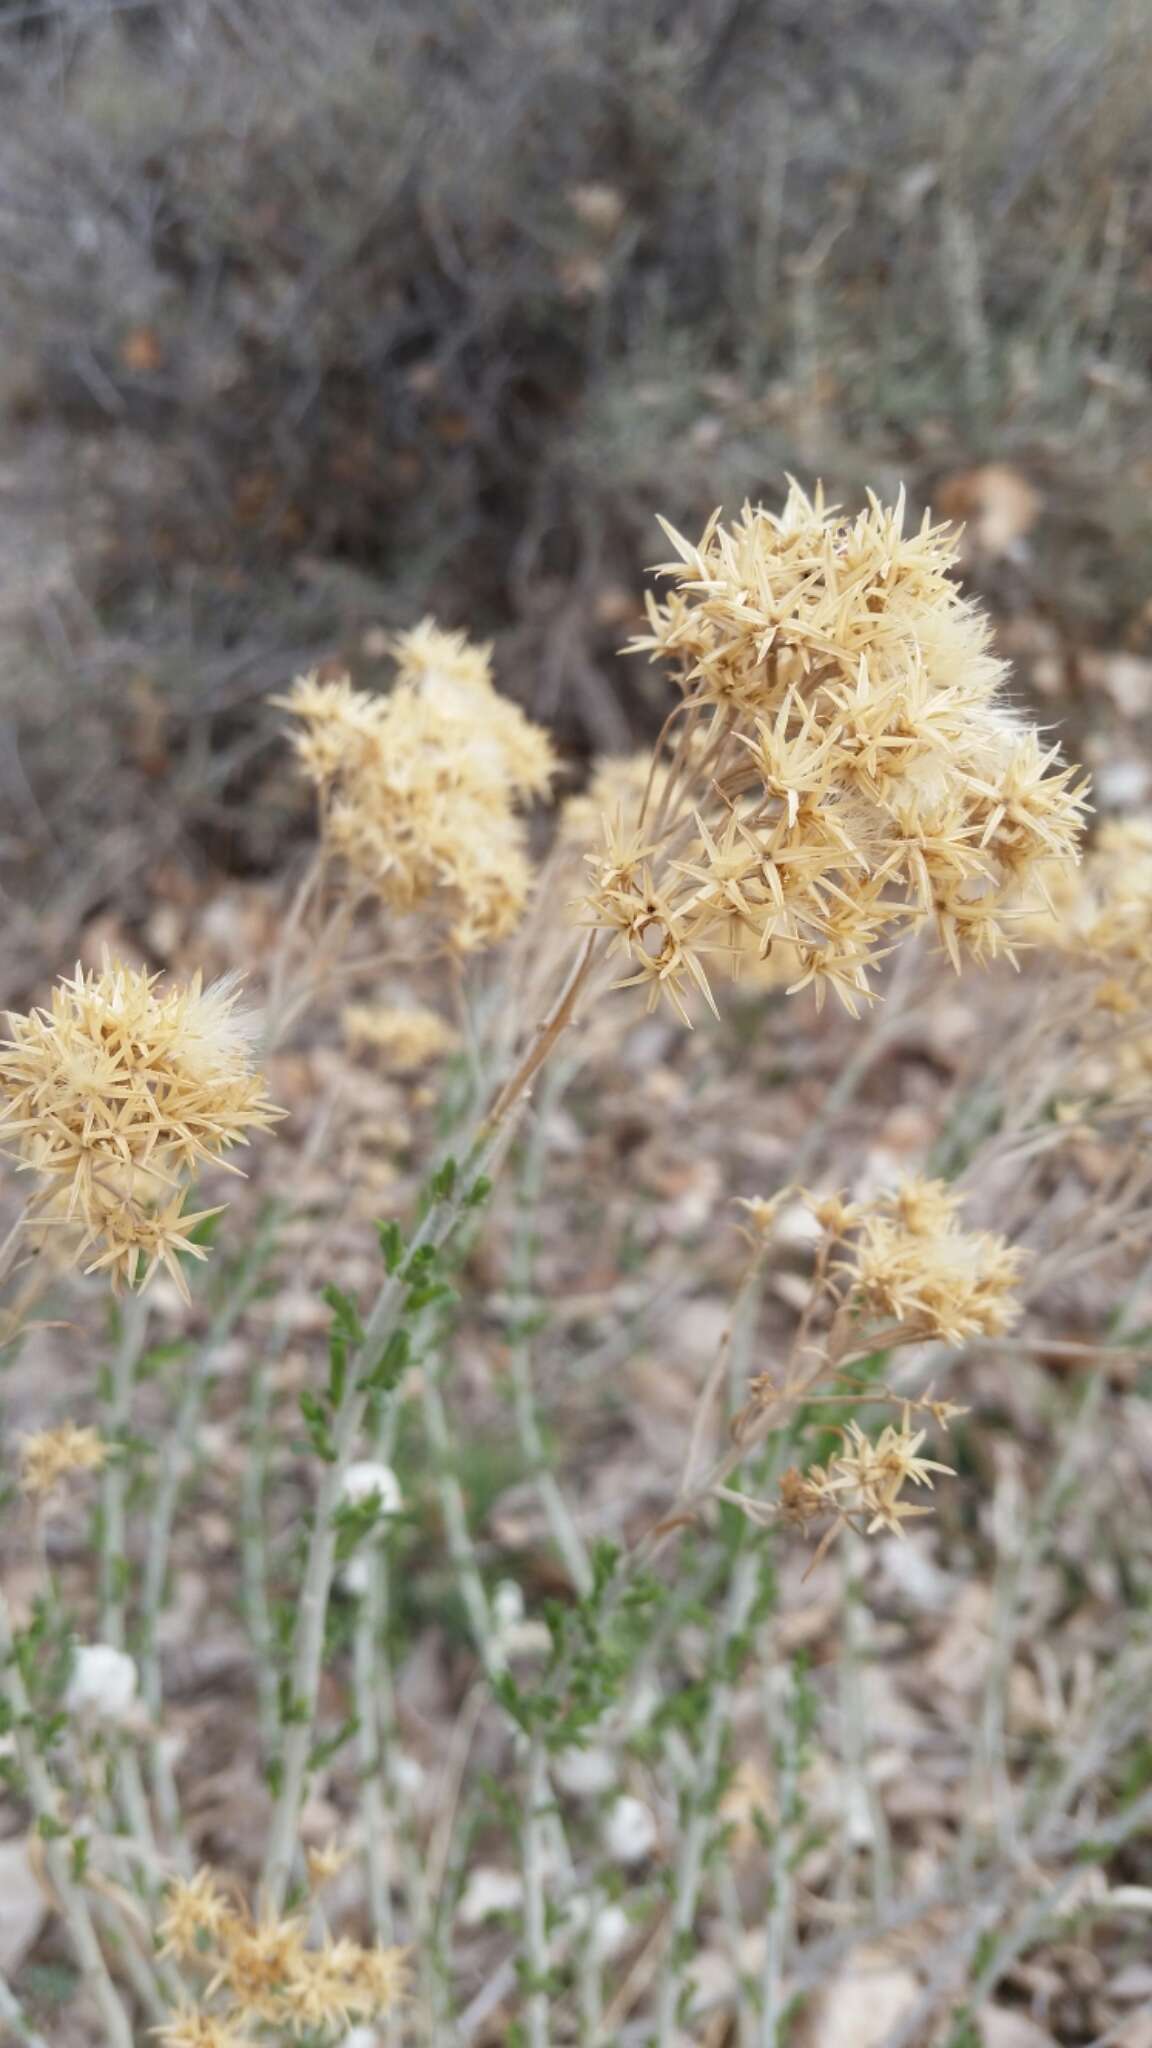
(114, 1097)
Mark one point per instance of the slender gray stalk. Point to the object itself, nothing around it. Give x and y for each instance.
(308, 1648)
(536, 1795)
(46, 1804)
(114, 1478)
(701, 1818)
(15, 2020)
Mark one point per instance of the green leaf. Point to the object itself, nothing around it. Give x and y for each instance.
(392, 1244)
(352, 1521)
(421, 1266)
(291, 1709)
(337, 1371)
(320, 1752)
(520, 1705)
(391, 1367)
(423, 1297)
(345, 1315)
(315, 1414)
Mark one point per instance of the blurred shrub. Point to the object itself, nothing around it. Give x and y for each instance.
(318, 316)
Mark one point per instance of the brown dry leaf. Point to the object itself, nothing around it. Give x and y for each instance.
(596, 206)
(1135, 2033)
(958, 1659)
(140, 350)
(149, 719)
(995, 504)
(23, 1906)
(1125, 678)
(858, 2009)
(1000, 2027)
(750, 1798)
(1133, 1984)
(453, 428)
(614, 606)
(581, 277)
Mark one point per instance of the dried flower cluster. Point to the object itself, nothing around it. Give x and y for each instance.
(406, 1039)
(1103, 920)
(53, 1454)
(1109, 913)
(420, 789)
(863, 1485)
(911, 1262)
(845, 766)
(896, 1269)
(115, 1097)
(265, 1973)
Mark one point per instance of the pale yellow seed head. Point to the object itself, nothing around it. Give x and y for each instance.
(55, 1454)
(422, 789)
(843, 769)
(115, 1096)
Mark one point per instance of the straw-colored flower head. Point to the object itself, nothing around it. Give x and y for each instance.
(258, 1963)
(867, 1479)
(407, 1039)
(192, 2028)
(845, 767)
(325, 1862)
(1107, 917)
(422, 788)
(267, 1972)
(53, 1454)
(440, 662)
(912, 1263)
(115, 1096)
(1103, 924)
(196, 1910)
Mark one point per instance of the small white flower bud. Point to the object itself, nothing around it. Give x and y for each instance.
(367, 1479)
(630, 1831)
(102, 1684)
